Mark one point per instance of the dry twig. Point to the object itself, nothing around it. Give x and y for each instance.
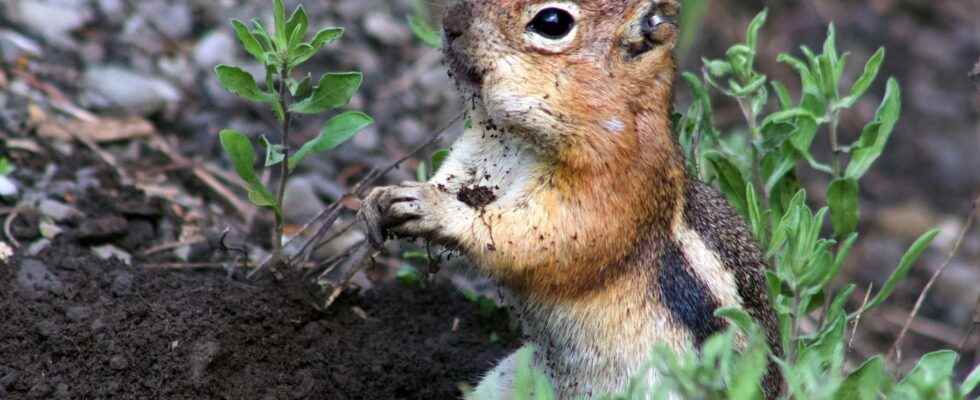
(894, 353)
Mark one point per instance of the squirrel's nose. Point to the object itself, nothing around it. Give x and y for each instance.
(457, 20)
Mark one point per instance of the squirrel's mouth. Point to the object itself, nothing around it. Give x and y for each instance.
(463, 71)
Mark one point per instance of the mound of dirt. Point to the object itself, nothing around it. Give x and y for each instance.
(76, 326)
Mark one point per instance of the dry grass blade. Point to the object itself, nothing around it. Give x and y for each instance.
(894, 353)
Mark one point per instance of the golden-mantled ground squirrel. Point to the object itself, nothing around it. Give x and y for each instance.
(571, 191)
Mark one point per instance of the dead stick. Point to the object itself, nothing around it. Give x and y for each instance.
(893, 352)
(327, 217)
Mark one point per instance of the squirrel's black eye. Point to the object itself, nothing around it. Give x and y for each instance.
(552, 23)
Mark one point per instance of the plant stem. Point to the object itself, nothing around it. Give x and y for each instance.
(284, 98)
(755, 136)
(835, 149)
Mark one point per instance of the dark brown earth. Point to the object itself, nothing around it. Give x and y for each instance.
(75, 326)
(476, 196)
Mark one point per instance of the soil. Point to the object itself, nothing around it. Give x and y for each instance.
(476, 196)
(77, 326)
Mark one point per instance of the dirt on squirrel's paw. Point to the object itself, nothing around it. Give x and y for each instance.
(476, 196)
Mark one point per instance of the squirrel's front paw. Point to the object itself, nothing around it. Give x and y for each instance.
(408, 210)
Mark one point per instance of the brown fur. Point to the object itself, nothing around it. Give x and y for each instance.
(596, 228)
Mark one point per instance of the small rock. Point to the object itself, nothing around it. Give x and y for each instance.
(78, 313)
(301, 203)
(109, 251)
(61, 391)
(410, 131)
(50, 230)
(37, 247)
(174, 18)
(5, 251)
(118, 363)
(46, 328)
(36, 280)
(202, 354)
(13, 46)
(54, 20)
(216, 47)
(122, 284)
(367, 139)
(130, 90)
(40, 391)
(102, 229)
(57, 210)
(8, 188)
(7, 376)
(98, 325)
(386, 29)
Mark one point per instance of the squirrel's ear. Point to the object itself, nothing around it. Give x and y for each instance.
(653, 24)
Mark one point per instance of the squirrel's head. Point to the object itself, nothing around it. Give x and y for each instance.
(563, 66)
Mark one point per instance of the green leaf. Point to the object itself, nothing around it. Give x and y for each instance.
(248, 40)
(438, 158)
(302, 89)
(752, 33)
(6, 167)
(237, 81)
(864, 382)
(931, 370)
(730, 180)
(279, 17)
(273, 152)
(909, 259)
(737, 316)
(305, 51)
(242, 155)
(971, 382)
(785, 102)
(336, 131)
(875, 135)
(334, 90)
(842, 197)
(424, 31)
(409, 276)
(297, 26)
(421, 172)
(863, 82)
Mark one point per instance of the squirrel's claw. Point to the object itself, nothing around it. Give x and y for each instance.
(389, 207)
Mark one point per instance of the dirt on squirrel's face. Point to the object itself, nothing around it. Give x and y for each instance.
(566, 67)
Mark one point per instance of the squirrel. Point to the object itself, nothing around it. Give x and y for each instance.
(570, 189)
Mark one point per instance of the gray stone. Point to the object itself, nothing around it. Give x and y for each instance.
(57, 210)
(8, 188)
(215, 48)
(122, 284)
(109, 251)
(118, 363)
(13, 46)
(37, 247)
(301, 202)
(386, 29)
(78, 313)
(36, 280)
(130, 90)
(53, 19)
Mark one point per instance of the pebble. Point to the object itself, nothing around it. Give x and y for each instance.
(122, 284)
(301, 202)
(130, 90)
(78, 313)
(36, 280)
(57, 210)
(202, 354)
(109, 251)
(14, 45)
(54, 20)
(8, 188)
(386, 29)
(38, 246)
(102, 228)
(216, 47)
(118, 363)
